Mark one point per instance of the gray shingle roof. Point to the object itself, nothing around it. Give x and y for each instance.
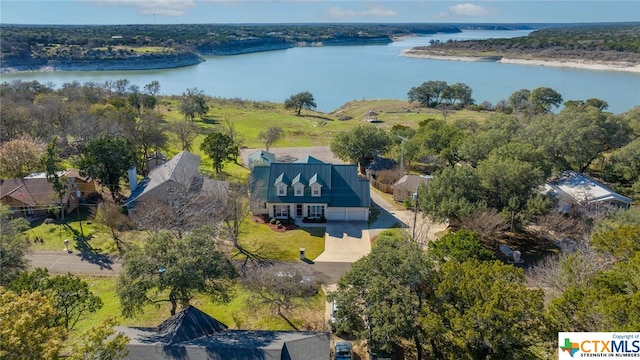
(179, 169)
(193, 335)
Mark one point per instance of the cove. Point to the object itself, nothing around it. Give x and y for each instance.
(336, 75)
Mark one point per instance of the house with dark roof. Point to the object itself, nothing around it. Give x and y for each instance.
(33, 195)
(194, 335)
(311, 189)
(408, 185)
(177, 177)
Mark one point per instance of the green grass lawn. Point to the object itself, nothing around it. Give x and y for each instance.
(240, 313)
(284, 246)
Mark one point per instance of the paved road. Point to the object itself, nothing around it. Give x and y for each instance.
(74, 262)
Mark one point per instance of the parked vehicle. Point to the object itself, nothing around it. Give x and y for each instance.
(343, 351)
(378, 355)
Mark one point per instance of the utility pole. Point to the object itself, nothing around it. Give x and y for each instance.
(402, 154)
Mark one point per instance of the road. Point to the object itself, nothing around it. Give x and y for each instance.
(61, 262)
(329, 271)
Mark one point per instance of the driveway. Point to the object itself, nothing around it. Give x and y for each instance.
(345, 241)
(425, 229)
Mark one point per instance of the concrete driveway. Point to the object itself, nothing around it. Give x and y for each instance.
(345, 242)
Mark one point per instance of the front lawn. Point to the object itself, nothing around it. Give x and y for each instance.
(284, 246)
(240, 313)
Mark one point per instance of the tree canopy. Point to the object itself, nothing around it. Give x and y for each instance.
(174, 270)
(299, 101)
(107, 160)
(360, 144)
(193, 103)
(220, 148)
(13, 246)
(69, 294)
(25, 327)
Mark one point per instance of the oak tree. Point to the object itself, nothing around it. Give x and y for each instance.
(299, 101)
(174, 270)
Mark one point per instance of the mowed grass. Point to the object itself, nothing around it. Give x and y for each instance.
(310, 128)
(242, 312)
(283, 246)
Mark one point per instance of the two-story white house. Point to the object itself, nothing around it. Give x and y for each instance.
(311, 189)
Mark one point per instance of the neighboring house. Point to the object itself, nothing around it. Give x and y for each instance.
(377, 165)
(408, 185)
(192, 334)
(573, 188)
(176, 178)
(313, 189)
(261, 158)
(33, 195)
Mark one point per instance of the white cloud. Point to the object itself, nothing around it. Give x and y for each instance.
(469, 10)
(151, 7)
(371, 10)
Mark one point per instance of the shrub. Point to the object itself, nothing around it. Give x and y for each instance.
(272, 221)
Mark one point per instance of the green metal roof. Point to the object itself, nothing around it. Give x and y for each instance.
(341, 186)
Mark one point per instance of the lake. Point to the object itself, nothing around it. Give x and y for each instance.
(336, 75)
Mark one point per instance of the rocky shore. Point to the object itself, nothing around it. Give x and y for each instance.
(167, 61)
(132, 63)
(569, 63)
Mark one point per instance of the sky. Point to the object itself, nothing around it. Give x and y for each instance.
(100, 12)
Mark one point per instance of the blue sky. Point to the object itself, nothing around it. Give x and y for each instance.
(312, 11)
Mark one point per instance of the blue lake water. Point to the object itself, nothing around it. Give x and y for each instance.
(336, 75)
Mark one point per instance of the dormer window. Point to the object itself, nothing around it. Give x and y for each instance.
(281, 185)
(316, 186)
(298, 185)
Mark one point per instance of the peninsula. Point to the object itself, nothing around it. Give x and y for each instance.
(597, 47)
(142, 47)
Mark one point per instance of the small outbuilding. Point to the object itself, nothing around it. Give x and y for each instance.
(371, 116)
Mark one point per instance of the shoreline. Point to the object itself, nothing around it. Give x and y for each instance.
(586, 65)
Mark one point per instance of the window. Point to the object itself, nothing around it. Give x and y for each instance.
(282, 190)
(315, 190)
(171, 189)
(315, 211)
(299, 190)
(280, 211)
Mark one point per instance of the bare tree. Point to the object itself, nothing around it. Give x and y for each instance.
(237, 212)
(111, 216)
(574, 266)
(270, 136)
(485, 223)
(277, 286)
(200, 201)
(231, 131)
(186, 133)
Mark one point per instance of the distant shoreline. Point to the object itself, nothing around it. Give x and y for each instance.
(586, 64)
